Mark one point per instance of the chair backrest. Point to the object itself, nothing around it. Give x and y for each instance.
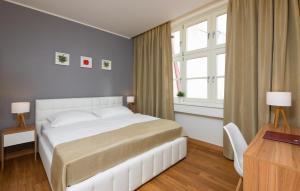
(238, 144)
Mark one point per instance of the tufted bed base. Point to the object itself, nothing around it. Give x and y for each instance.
(132, 173)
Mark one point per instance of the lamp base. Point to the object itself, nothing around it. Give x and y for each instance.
(21, 121)
(277, 115)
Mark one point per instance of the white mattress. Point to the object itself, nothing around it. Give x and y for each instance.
(58, 135)
(50, 137)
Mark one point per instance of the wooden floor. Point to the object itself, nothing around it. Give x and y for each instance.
(203, 169)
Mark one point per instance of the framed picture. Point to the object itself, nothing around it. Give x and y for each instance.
(62, 58)
(86, 62)
(106, 65)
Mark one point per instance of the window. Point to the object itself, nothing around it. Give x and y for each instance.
(196, 75)
(220, 75)
(176, 42)
(199, 57)
(221, 29)
(176, 78)
(196, 36)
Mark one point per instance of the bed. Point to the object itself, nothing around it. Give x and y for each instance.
(126, 175)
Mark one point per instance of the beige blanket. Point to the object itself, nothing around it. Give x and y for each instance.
(81, 159)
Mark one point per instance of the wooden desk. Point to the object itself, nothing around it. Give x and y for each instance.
(271, 165)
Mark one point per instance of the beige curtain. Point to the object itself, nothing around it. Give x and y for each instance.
(262, 54)
(153, 83)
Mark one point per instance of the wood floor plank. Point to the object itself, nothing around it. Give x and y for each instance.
(204, 169)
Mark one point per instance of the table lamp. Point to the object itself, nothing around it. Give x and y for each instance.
(20, 108)
(279, 100)
(130, 102)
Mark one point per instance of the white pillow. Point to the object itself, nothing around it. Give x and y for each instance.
(69, 117)
(112, 111)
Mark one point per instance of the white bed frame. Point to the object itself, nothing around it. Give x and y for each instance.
(130, 174)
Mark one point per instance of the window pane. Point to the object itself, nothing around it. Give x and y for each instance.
(197, 88)
(196, 67)
(220, 84)
(221, 29)
(175, 90)
(176, 70)
(176, 42)
(197, 36)
(220, 64)
(176, 86)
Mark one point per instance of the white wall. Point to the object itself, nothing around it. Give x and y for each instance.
(201, 123)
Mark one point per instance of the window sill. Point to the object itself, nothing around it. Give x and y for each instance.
(214, 110)
(199, 104)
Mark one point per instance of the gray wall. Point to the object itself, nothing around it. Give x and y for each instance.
(28, 41)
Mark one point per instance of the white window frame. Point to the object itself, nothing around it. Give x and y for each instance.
(210, 52)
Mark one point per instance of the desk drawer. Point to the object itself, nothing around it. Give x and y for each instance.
(18, 138)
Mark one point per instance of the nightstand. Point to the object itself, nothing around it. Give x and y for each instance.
(15, 136)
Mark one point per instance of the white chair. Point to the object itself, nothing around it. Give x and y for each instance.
(239, 146)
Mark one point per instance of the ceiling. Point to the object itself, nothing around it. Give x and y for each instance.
(125, 18)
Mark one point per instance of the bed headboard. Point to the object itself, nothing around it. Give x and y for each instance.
(47, 107)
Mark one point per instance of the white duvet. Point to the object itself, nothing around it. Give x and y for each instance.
(80, 130)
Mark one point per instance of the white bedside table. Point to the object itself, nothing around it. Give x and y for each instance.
(15, 136)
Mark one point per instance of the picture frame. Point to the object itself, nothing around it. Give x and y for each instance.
(106, 64)
(86, 62)
(62, 58)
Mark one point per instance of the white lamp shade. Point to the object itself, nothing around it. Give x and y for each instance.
(283, 99)
(20, 107)
(130, 99)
